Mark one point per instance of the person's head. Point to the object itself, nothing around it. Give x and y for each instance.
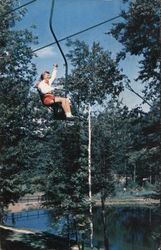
(45, 75)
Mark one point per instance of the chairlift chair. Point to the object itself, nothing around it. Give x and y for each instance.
(56, 107)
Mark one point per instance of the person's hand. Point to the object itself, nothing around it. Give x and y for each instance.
(55, 66)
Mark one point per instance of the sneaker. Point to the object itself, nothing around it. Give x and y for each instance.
(72, 118)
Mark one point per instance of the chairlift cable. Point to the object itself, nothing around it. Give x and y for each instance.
(78, 33)
(132, 90)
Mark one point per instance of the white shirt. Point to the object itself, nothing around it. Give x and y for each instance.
(45, 87)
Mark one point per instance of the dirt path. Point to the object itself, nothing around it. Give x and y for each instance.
(19, 207)
(16, 230)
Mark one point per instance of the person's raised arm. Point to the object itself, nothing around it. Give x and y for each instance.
(53, 74)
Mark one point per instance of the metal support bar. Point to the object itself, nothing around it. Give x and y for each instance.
(52, 31)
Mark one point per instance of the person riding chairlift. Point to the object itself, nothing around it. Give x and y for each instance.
(45, 88)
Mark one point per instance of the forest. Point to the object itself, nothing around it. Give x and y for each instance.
(40, 154)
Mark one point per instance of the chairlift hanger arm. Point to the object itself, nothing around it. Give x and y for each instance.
(57, 42)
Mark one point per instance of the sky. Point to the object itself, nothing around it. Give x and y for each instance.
(71, 16)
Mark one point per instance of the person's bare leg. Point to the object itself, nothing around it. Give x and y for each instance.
(65, 104)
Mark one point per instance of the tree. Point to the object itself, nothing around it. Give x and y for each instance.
(133, 142)
(144, 149)
(95, 75)
(139, 34)
(103, 181)
(17, 74)
(108, 147)
(65, 178)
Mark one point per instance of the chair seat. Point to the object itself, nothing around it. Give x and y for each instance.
(58, 111)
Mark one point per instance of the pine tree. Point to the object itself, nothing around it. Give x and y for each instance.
(17, 74)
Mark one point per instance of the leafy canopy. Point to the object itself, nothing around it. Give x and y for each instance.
(139, 34)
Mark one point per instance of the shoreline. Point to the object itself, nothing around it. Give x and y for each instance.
(130, 202)
(21, 207)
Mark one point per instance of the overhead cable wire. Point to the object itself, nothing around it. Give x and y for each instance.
(132, 90)
(7, 13)
(78, 33)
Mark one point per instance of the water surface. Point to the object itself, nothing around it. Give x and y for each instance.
(128, 228)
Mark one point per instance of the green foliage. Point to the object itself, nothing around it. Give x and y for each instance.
(139, 34)
(102, 146)
(95, 75)
(64, 179)
(126, 144)
(144, 149)
(40, 154)
(17, 74)
(64, 187)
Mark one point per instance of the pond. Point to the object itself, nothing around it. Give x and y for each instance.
(128, 228)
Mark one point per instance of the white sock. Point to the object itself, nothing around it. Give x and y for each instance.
(68, 114)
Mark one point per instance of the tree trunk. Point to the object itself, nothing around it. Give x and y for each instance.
(160, 110)
(68, 232)
(89, 178)
(1, 220)
(0, 244)
(150, 179)
(135, 173)
(83, 239)
(1, 213)
(106, 243)
(76, 234)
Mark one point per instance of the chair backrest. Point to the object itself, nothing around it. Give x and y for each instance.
(40, 94)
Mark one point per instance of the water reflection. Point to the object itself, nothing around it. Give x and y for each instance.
(127, 228)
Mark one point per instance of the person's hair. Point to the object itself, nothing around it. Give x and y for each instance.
(42, 75)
